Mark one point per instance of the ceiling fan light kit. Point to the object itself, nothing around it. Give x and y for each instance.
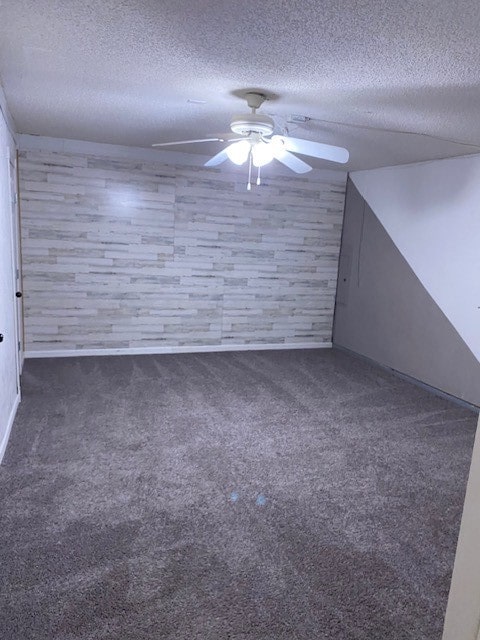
(238, 152)
(258, 146)
(262, 154)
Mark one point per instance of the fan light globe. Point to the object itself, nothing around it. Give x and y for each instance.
(262, 154)
(238, 151)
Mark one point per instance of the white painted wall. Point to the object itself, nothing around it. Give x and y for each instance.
(432, 213)
(9, 392)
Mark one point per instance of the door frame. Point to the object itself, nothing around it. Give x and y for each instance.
(462, 618)
(15, 249)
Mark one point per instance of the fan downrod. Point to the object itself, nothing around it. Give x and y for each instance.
(255, 123)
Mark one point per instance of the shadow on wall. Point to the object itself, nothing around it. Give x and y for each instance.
(385, 312)
(429, 210)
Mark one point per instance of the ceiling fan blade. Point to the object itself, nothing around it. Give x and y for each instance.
(217, 159)
(171, 144)
(291, 161)
(314, 149)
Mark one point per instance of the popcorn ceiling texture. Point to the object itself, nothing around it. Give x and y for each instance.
(127, 254)
(122, 71)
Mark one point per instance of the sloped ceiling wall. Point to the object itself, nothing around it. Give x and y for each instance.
(431, 211)
(408, 291)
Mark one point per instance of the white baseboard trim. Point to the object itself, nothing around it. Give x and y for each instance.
(134, 351)
(11, 418)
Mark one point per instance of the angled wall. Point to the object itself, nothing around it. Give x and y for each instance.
(431, 212)
(385, 312)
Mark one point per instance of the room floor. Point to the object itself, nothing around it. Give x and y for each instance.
(244, 496)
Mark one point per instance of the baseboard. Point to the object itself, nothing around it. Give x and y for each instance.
(411, 379)
(11, 418)
(135, 351)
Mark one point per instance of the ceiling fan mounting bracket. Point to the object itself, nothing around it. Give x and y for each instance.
(255, 100)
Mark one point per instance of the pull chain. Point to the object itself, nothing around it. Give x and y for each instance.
(249, 183)
(258, 177)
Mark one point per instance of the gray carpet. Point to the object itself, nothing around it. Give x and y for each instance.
(244, 496)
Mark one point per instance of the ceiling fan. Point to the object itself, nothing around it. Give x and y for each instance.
(252, 140)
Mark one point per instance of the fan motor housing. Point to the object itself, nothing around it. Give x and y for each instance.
(252, 122)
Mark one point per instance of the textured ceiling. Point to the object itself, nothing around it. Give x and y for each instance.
(122, 71)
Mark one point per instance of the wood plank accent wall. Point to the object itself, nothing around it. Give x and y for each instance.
(126, 254)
